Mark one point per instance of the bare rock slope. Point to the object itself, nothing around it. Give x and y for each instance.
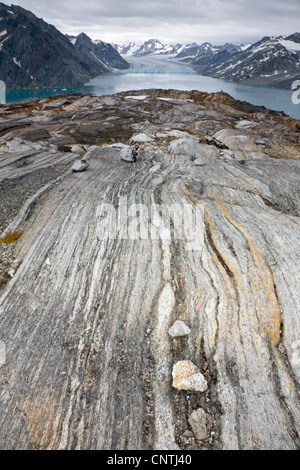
(85, 319)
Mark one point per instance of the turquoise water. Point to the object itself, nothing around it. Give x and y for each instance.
(163, 72)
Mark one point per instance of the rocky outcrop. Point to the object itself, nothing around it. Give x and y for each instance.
(88, 295)
(35, 54)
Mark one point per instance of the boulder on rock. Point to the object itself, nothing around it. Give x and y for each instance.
(186, 376)
(80, 165)
(129, 154)
(179, 328)
(197, 421)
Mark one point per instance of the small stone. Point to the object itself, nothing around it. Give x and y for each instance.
(155, 168)
(11, 272)
(186, 376)
(80, 165)
(197, 422)
(243, 124)
(78, 149)
(188, 433)
(142, 137)
(198, 162)
(129, 154)
(179, 329)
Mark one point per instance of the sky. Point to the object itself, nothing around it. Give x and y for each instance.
(171, 21)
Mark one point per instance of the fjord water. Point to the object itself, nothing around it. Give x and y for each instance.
(164, 72)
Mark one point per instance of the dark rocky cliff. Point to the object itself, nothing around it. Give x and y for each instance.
(101, 51)
(35, 54)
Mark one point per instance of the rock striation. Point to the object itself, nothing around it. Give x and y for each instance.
(93, 277)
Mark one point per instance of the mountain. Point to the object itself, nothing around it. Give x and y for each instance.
(189, 51)
(150, 47)
(34, 53)
(193, 51)
(273, 61)
(103, 52)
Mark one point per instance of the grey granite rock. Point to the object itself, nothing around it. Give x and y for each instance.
(129, 153)
(80, 165)
(179, 328)
(197, 420)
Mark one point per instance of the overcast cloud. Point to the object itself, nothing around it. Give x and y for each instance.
(172, 21)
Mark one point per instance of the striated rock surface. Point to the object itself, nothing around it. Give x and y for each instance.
(87, 300)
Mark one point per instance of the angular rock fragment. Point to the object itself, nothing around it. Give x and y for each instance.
(80, 165)
(186, 376)
(78, 149)
(188, 434)
(129, 154)
(179, 328)
(142, 137)
(197, 421)
(244, 124)
(155, 168)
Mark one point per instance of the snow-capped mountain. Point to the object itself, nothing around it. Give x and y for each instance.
(150, 47)
(188, 51)
(193, 51)
(273, 60)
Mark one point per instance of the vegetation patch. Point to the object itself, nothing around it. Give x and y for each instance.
(11, 237)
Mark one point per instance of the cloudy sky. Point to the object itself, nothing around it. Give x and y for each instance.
(172, 21)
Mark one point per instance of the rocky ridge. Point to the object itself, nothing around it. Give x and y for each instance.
(88, 323)
(105, 53)
(34, 53)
